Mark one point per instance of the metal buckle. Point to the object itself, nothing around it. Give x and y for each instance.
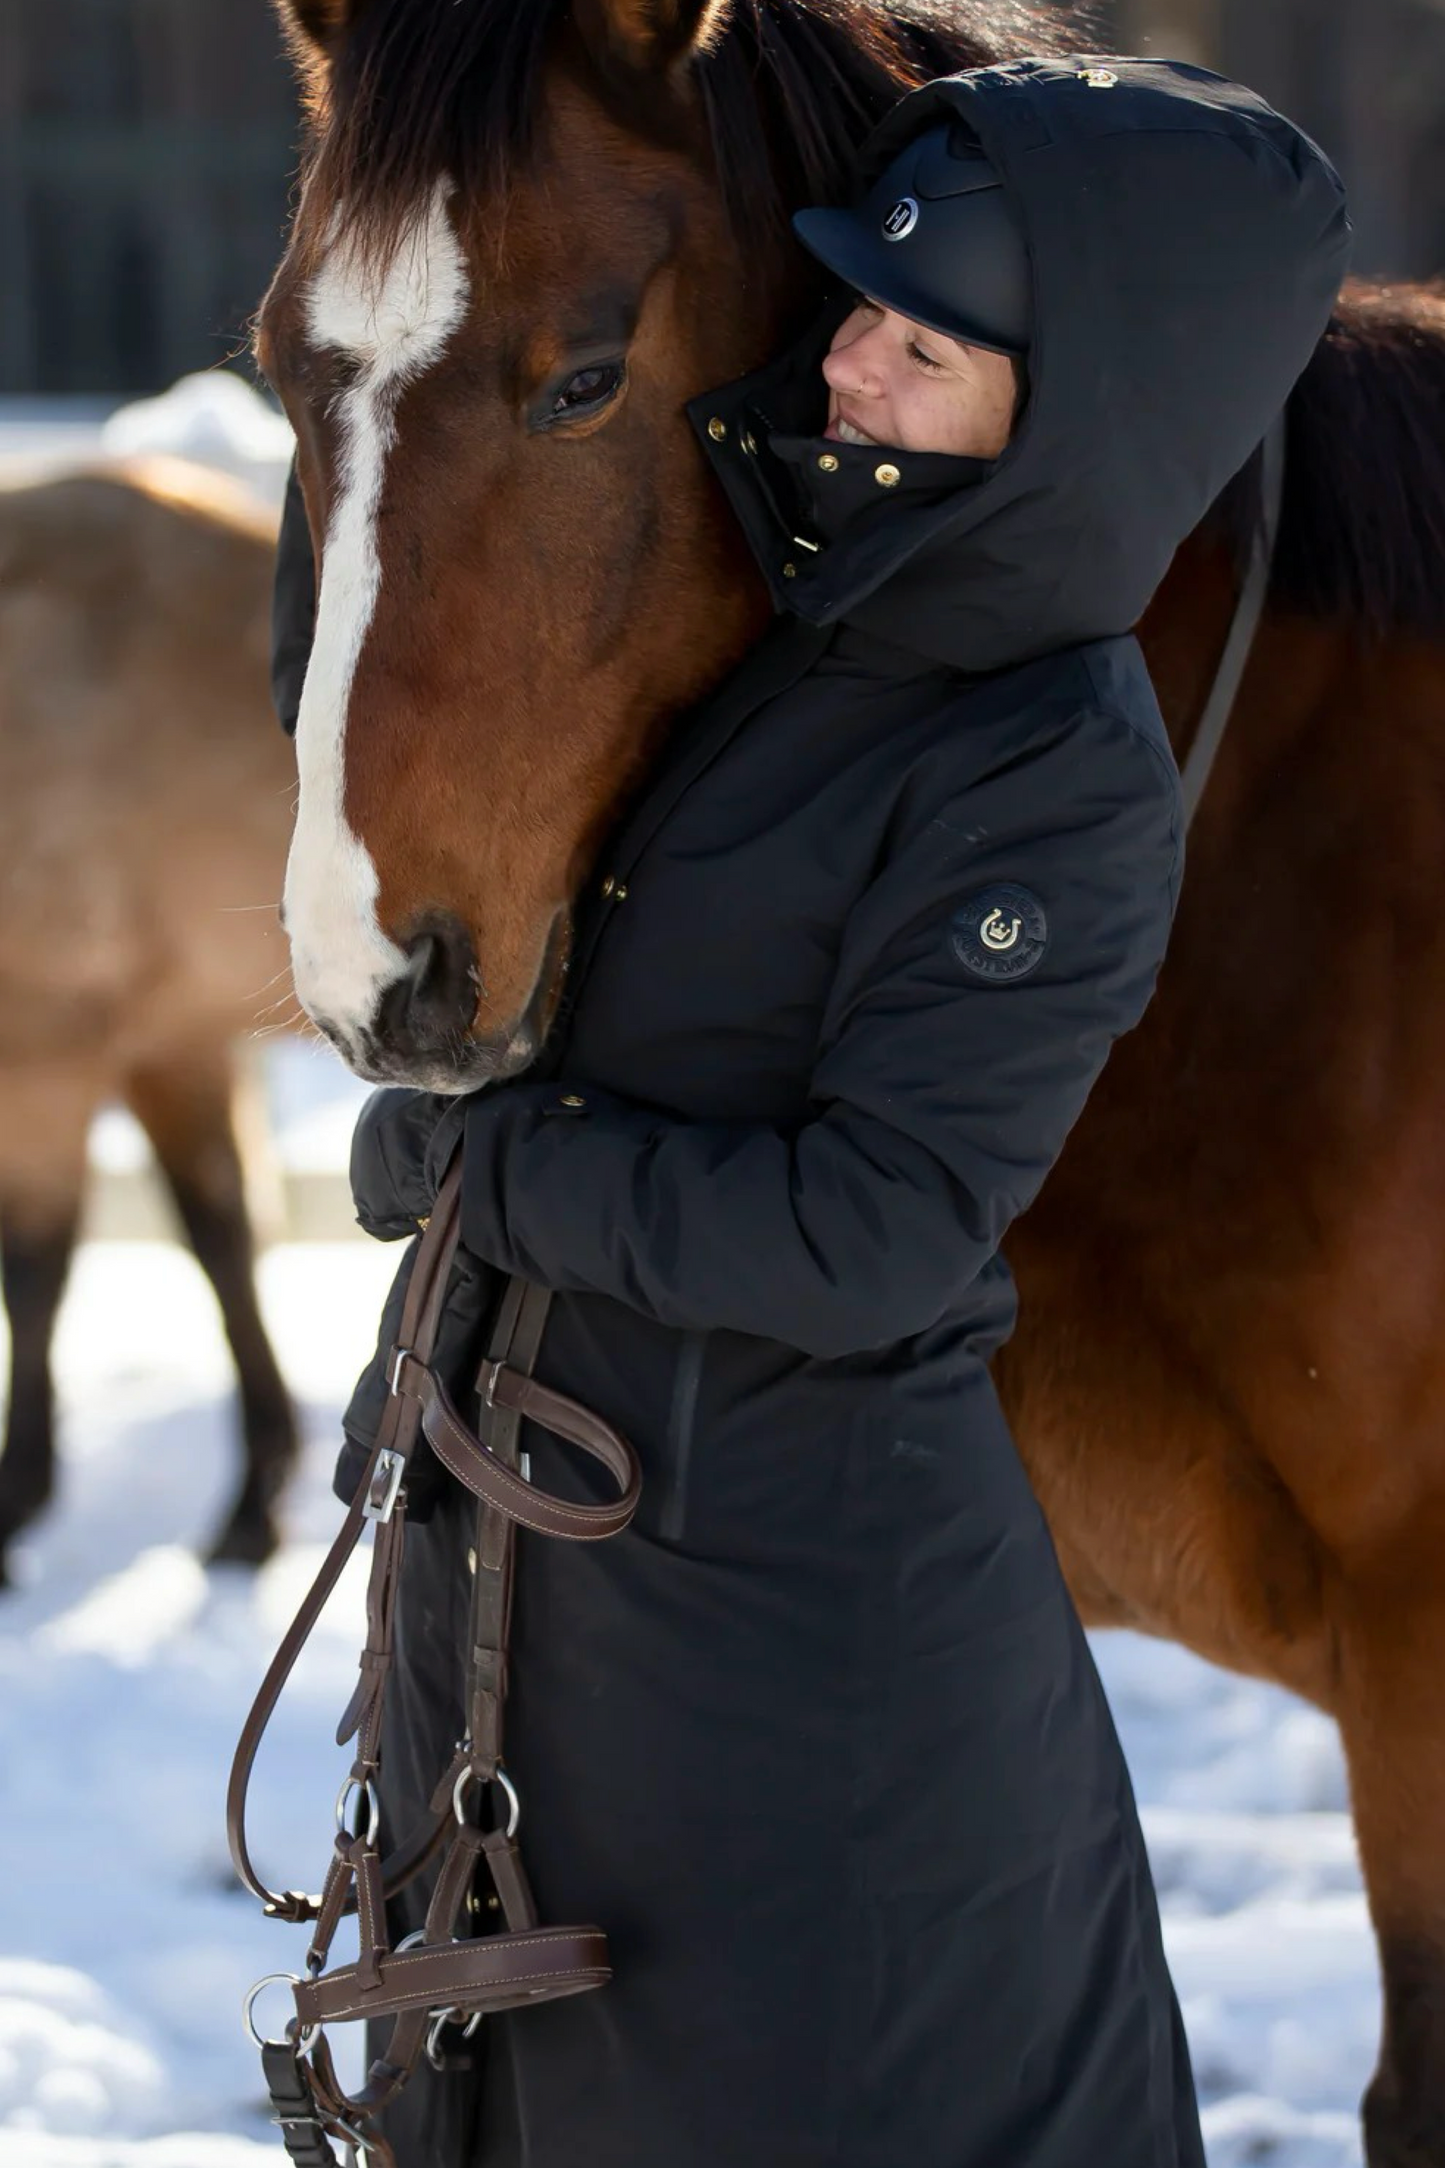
(373, 1809)
(440, 2020)
(386, 1479)
(306, 2033)
(499, 1776)
(394, 1362)
(350, 2135)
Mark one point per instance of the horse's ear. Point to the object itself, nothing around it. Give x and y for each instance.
(314, 27)
(646, 37)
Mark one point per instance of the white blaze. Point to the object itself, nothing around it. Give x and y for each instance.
(392, 325)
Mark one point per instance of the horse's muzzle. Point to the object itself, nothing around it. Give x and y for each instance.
(423, 1029)
(431, 1008)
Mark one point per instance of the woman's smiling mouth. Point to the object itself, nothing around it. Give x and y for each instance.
(845, 432)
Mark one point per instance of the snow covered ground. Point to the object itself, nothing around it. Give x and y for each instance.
(125, 1671)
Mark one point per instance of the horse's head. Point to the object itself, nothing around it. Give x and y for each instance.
(526, 237)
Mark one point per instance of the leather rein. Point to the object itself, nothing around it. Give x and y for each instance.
(442, 1977)
(1244, 624)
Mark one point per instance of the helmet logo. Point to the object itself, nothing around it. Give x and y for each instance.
(1098, 78)
(901, 220)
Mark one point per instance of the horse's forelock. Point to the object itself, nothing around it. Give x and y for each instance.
(415, 94)
(417, 90)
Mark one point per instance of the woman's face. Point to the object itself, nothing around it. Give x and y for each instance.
(894, 382)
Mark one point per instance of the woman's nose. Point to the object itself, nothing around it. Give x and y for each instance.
(848, 365)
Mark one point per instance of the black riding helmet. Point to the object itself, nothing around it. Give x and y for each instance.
(936, 238)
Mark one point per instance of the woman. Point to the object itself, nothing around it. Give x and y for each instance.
(819, 1741)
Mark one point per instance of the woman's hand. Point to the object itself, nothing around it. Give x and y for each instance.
(403, 1143)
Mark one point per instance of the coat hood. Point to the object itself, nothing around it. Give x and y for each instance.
(1186, 246)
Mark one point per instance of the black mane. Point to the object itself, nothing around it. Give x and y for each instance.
(1362, 525)
(419, 89)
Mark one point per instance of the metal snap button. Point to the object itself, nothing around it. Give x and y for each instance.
(828, 463)
(887, 476)
(717, 429)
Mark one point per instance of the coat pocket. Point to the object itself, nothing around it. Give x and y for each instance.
(681, 1423)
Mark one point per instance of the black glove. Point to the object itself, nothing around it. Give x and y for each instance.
(399, 1153)
(456, 1358)
(403, 1142)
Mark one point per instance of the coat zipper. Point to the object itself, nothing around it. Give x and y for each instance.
(680, 1421)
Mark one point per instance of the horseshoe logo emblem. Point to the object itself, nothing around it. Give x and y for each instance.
(995, 934)
(1000, 934)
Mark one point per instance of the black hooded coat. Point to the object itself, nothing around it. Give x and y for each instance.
(819, 1740)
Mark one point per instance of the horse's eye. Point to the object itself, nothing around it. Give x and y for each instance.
(588, 388)
(344, 370)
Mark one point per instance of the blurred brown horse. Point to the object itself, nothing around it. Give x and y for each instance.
(145, 805)
(527, 236)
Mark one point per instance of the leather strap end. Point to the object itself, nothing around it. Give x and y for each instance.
(494, 1972)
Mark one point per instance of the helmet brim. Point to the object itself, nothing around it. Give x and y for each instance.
(847, 244)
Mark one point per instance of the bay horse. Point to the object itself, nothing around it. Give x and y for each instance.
(145, 809)
(526, 236)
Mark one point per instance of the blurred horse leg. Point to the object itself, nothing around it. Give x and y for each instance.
(44, 1121)
(185, 1102)
(1392, 1717)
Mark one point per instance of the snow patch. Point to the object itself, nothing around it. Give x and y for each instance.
(214, 417)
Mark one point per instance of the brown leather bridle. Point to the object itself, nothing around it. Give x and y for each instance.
(442, 1975)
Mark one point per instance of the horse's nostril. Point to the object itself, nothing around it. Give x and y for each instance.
(441, 970)
(437, 998)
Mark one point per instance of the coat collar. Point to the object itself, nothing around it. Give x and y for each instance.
(823, 519)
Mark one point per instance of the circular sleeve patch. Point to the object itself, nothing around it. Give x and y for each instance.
(1000, 934)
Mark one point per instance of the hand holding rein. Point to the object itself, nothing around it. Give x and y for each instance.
(448, 1979)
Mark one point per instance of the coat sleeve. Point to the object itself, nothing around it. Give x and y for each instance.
(940, 1097)
(293, 606)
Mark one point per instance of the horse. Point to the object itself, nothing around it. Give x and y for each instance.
(525, 237)
(145, 810)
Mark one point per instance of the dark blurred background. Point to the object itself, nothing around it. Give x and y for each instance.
(146, 150)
